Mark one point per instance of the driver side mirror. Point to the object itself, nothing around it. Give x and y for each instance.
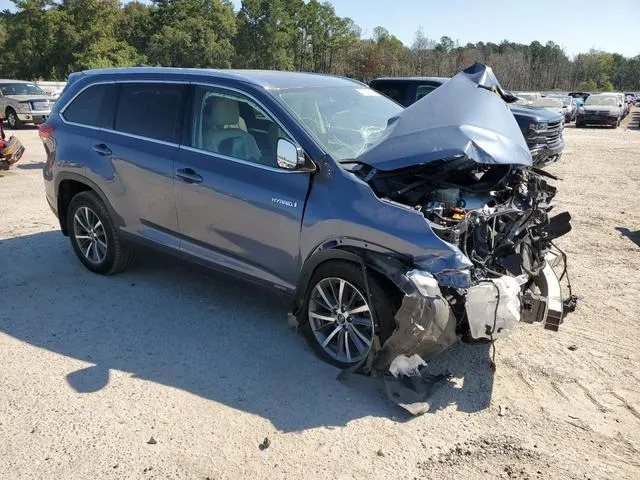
(290, 157)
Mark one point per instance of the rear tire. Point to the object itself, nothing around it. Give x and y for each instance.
(324, 321)
(94, 237)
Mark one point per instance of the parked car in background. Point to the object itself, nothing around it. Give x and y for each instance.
(301, 182)
(621, 102)
(626, 104)
(569, 107)
(24, 102)
(542, 129)
(600, 109)
(526, 98)
(582, 95)
(550, 103)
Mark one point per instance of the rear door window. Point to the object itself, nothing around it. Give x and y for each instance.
(151, 110)
(93, 107)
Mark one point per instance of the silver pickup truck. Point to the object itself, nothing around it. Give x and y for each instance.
(24, 102)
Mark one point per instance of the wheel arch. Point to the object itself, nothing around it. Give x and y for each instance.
(388, 266)
(70, 184)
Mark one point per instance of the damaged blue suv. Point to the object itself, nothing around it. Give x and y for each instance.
(395, 231)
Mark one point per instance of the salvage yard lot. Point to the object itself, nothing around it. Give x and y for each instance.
(94, 367)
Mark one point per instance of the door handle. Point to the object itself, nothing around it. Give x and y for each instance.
(102, 149)
(188, 175)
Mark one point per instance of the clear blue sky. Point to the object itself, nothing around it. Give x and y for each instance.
(575, 25)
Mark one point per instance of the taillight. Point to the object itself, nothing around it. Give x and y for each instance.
(45, 131)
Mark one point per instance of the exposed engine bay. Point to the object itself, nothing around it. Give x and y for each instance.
(497, 215)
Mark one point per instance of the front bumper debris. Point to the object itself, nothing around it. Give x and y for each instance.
(547, 304)
(426, 327)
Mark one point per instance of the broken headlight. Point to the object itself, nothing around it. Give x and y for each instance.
(424, 282)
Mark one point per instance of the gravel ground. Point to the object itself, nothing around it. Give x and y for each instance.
(171, 371)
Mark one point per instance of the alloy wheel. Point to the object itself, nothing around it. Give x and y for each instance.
(341, 320)
(90, 235)
(11, 119)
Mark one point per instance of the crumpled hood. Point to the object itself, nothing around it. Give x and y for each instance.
(460, 118)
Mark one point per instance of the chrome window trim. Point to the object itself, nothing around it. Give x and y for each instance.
(239, 160)
(180, 145)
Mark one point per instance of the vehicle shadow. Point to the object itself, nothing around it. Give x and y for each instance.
(31, 166)
(9, 131)
(469, 364)
(222, 339)
(633, 236)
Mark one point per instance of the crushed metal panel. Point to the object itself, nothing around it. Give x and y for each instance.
(425, 326)
(553, 291)
(462, 118)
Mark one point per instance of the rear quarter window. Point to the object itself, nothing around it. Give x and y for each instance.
(150, 110)
(93, 107)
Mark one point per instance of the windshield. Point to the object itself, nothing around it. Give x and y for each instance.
(525, 98)
(548, 102)
(566, 101)
(607, 101)
(346, 121)
(21, 89)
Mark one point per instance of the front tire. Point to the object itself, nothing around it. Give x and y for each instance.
(12, 119)
(338, 320)
(94, 237)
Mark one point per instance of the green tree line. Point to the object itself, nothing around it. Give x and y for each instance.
(49, 39)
